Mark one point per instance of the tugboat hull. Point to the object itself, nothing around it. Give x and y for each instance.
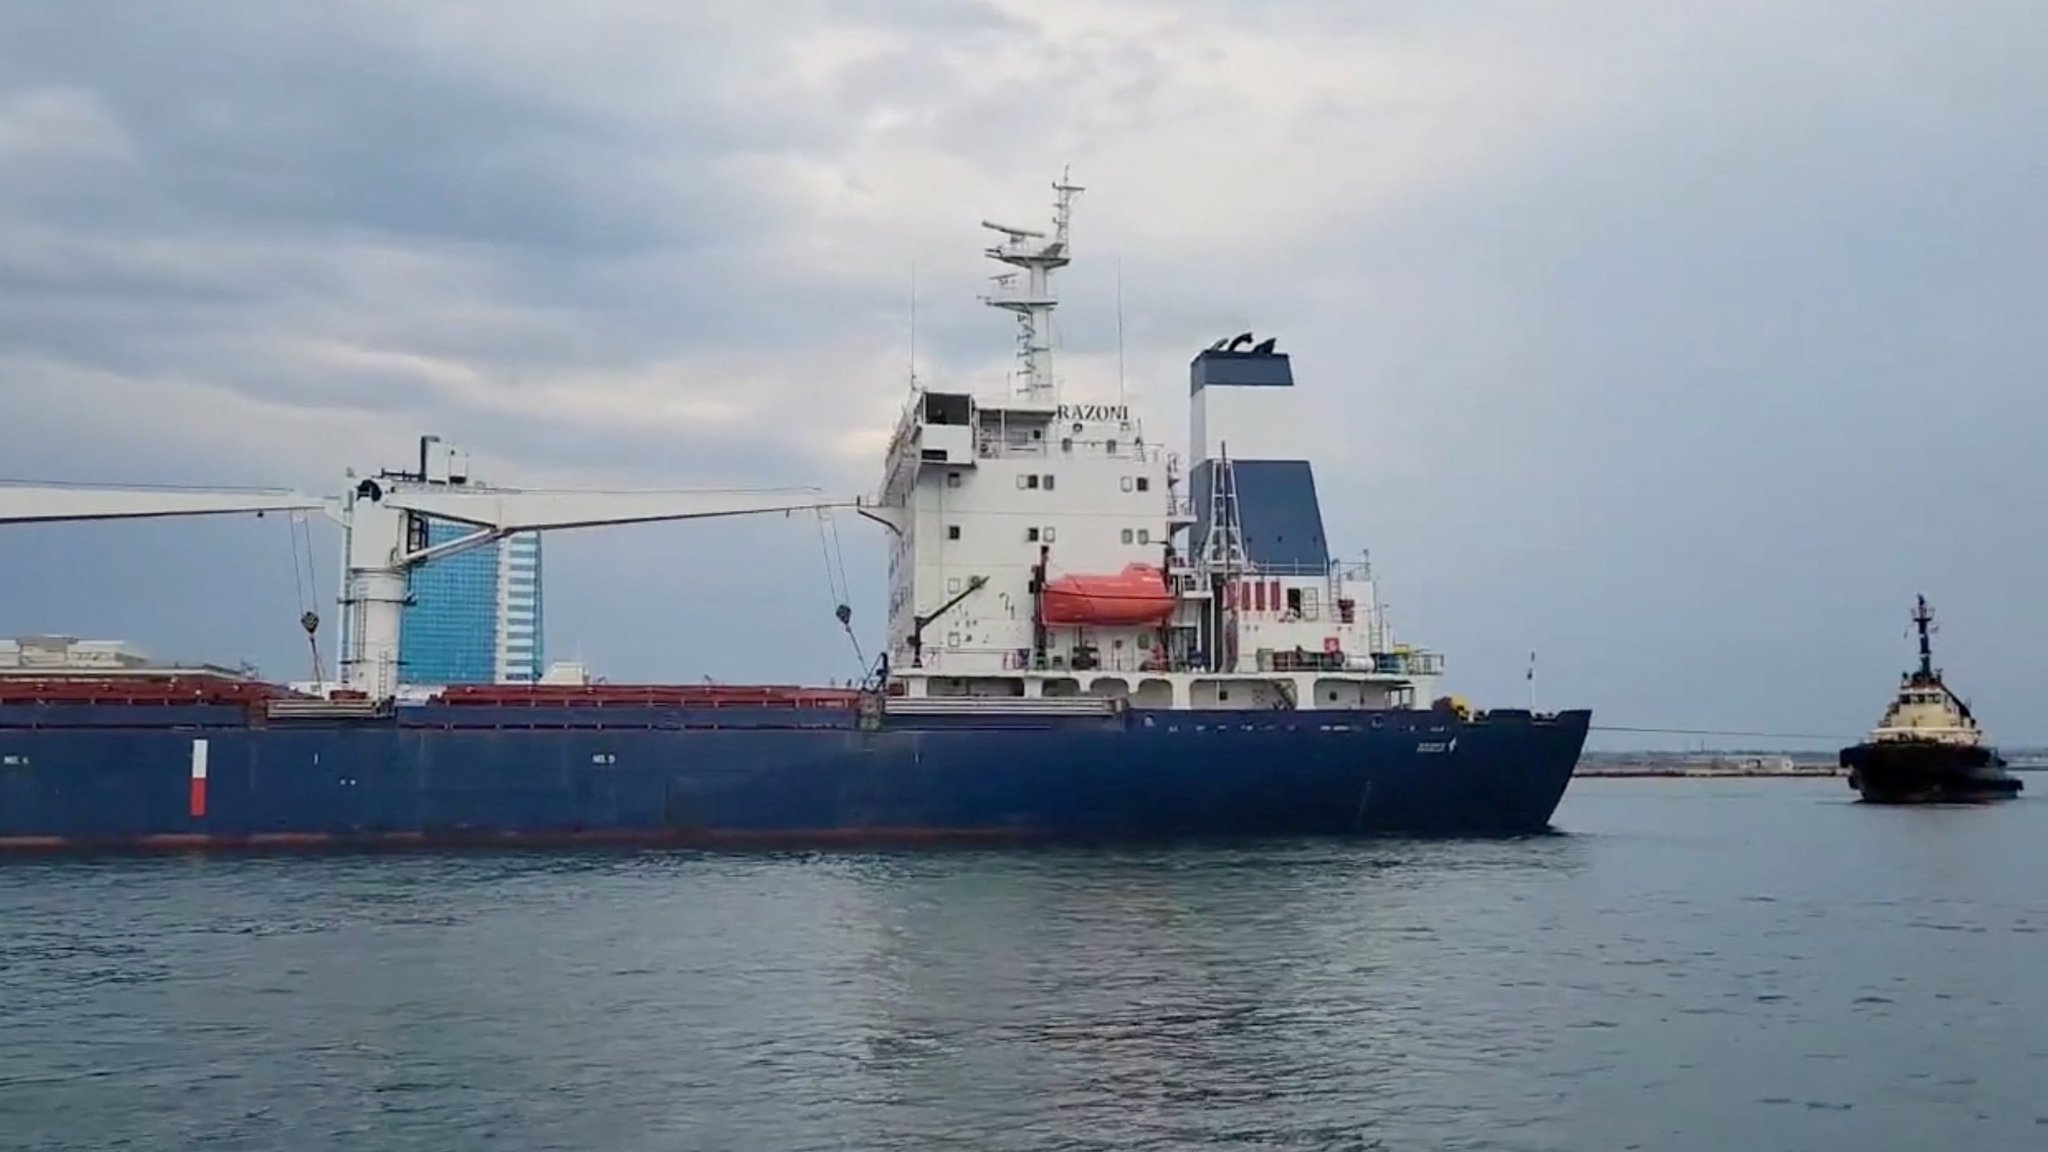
(1903, 772)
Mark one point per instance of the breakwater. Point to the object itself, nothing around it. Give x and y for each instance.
(1687, 765)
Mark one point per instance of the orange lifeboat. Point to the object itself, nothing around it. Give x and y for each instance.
(1136, 596)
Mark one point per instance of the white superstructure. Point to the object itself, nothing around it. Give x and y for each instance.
(1926, 713)
(1013, 506)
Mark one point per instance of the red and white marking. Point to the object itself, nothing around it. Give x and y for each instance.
(198, 801)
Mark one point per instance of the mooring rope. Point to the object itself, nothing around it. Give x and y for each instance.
(1720, 732)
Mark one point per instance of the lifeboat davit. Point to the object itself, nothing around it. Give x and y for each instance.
(1135, 596)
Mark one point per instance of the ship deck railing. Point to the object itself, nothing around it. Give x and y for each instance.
(1006, 705)
(975, 663)
(342, 708)
(645, 696)
(993, 448)
(1341, 571)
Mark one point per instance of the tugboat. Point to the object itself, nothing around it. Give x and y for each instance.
(1927, 749)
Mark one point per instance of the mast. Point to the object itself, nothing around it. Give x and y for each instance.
(1038, 255)
(1923, 616)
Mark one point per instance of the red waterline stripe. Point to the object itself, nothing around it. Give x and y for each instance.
(175, 840)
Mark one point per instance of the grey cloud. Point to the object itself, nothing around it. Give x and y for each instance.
(263, 120)
(604, 244)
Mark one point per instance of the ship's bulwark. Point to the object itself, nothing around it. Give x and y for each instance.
(459, 776)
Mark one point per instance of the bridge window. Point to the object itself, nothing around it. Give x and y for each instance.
(1048, 535)
(952, 479)
(948, 408)
(1031, 535)
(952, 531)
(1048, 482)
(1144, 536)
(1144, 483)
(1127, 483)
(1127, 535)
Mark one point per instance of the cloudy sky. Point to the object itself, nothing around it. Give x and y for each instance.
(1681, 343)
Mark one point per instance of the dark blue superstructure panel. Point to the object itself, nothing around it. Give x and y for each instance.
(1142, 774)
(1277, 510)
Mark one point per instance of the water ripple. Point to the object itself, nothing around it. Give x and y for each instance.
(1777, 970)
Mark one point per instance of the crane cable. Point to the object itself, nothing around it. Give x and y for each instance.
(836, 582)
(306, 584)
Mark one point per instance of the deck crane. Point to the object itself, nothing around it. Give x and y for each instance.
(383, 520)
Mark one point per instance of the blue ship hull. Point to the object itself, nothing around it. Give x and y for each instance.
(93, 778)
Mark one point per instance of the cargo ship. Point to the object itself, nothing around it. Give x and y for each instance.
(1089, 638)
(1927, 748)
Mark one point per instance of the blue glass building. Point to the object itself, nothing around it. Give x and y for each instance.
(519, 616)
(475, 617)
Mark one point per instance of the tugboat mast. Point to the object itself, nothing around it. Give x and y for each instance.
(1922, 617)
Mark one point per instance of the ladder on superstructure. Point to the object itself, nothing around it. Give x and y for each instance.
(1224, 562)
